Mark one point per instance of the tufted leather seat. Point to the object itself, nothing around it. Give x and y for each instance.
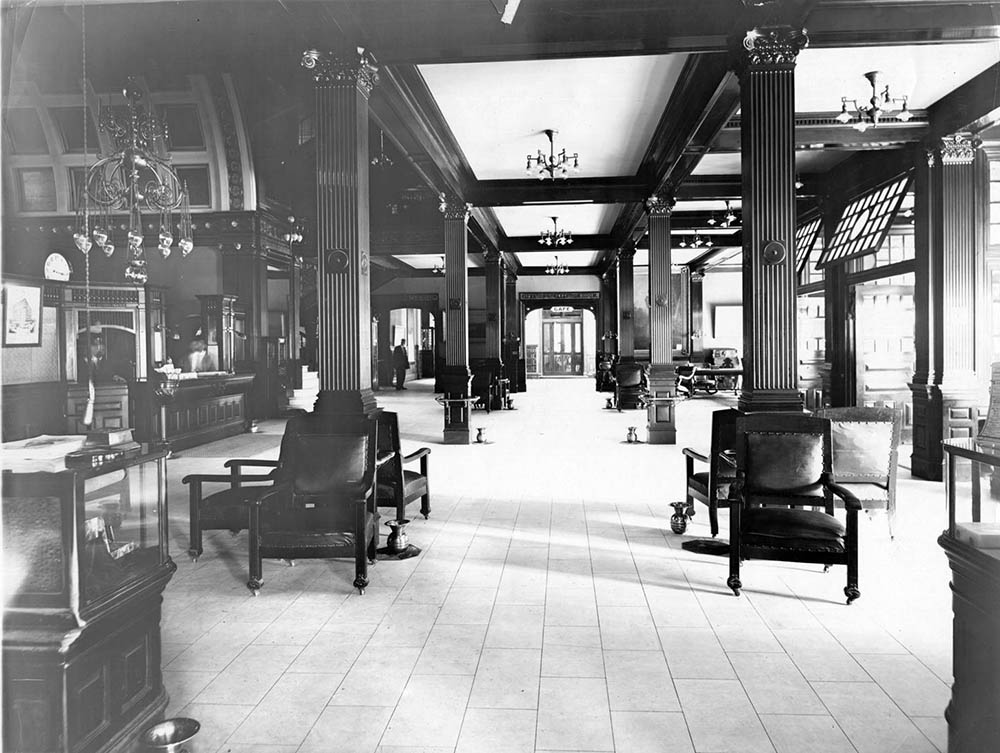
(784, 465)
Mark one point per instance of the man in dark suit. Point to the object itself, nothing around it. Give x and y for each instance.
(400, 363)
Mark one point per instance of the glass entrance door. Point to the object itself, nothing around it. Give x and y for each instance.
(562, 348)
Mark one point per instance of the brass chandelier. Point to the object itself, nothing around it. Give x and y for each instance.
(556, 236)
(136, 178)
(554, 165)
(881, 104)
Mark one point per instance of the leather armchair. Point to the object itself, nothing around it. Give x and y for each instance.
(397, 487)
(784, 464)
(712, 484)
(865, 455)
(630, 385)
(324, 506)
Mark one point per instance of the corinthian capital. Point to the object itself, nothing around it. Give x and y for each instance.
(453, 208)
(959, 149)
(773, 45)
(333, 69)
(660, 204)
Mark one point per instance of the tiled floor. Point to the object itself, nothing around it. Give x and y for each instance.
(553, 610)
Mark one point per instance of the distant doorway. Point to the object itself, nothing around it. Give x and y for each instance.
(562, 347)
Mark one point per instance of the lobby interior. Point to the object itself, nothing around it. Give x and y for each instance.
(354, 175)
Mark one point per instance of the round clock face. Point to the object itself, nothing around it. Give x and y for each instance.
(57, 268)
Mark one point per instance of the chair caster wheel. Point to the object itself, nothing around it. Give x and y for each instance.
(735, 584)
(194, 558)
(852, 593)
(371, 563)
(826, 568)
(255, 592)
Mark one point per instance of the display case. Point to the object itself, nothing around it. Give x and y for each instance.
(972, 543)
(85, 564)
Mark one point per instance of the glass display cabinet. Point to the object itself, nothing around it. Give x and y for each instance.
(85, 565)
(972, 543)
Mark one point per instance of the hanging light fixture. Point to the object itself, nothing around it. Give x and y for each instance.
(696, 241)
(295, 236)
(880, 104)
(554, 165)
(439, 268)
(133, 179)
(557, 268)
(381, 160)
(555, 236)
(729, 218)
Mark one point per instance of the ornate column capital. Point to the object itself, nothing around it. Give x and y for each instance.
(959, 149)
(770, 46)
(453, 207)
(491, 256)
(331, 69)
(626, 253)
(660, 205)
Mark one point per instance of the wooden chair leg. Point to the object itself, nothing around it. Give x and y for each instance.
(425, 501)
(734, 547)
(256, 566)
(195, 548)
(713, 517)
(851, 590)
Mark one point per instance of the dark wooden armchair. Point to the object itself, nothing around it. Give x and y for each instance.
(630, 385)
(324, 505)
(484, 386)
(398, 487)
(784, 463)
(865, 455)
(711, 485)
(228, 509)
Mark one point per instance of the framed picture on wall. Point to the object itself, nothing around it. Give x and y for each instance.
(22, 315)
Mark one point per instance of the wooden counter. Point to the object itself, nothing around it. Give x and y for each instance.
(189, 412)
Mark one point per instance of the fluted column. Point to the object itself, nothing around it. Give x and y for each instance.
(767, 101)
(662, 379)
(494, 298)
(950, 227)
(342, 87)
(626, 304)
(455, 377)
(512, 331)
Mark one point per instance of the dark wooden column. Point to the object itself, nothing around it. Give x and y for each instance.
(244, 274)
(383, 356)
(662, 380)
(455, 377)
(767, 102)
(295, 319)
(696, 288)
(626, 304)
(342, 87)
(949, 247)
(512, 331)
(494, 301)
(839, 382)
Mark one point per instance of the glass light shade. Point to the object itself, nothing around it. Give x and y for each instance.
(164, 250)
(83, 243)
(186, 246)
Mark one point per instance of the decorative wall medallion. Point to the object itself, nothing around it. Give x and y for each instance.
(363, 266)
(661, 300)
(336, 261)
(773, 252)
(455, 304)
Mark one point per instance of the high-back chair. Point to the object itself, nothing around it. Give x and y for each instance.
(784, 464)
(630, 386)
(398, 487)
(711, 485)
(325, 505)
(865, 455)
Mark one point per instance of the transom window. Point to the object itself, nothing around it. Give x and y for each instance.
(805, 238)
(865, 222)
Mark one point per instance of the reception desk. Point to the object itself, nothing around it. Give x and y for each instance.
(192, 410)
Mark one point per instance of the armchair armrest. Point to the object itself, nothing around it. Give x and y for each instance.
(208, 478)
(850, 501)
(694, 454)
(729, 457)
(384, 458)
(261, 500)
(240, 462)
(422, 452)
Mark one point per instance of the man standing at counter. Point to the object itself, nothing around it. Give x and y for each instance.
(199, 359)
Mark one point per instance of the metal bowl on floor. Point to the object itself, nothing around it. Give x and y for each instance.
(169, 735)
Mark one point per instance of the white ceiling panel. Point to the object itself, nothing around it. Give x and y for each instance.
(569, 258)
(579, 219)
(605, 109)
(713, 205)
(429, 261)
(924, 73)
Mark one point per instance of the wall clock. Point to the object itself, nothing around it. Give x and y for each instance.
(57, 268)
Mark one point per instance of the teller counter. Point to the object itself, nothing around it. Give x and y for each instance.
(192, 410)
